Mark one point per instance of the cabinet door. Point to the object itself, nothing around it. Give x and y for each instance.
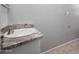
(4, 16)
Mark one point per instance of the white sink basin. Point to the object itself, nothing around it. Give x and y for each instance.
(21, 32)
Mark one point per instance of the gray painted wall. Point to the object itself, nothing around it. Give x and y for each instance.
(0, 16)
(3, 16)
(58, 23)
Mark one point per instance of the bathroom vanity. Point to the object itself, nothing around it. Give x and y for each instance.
(24, 39)
(18, 38)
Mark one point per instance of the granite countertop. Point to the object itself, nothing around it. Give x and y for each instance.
(14, 42)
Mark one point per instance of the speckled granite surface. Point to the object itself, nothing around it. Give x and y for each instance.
(16, 26)
(14, 42)
(70, 48)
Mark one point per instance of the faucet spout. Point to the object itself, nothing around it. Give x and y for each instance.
(8, 32)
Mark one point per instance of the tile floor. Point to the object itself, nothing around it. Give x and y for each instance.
(69, 48)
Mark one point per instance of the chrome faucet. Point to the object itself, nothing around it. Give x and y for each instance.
(10, 30)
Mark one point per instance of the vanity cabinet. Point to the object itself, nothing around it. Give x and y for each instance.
(32, 47)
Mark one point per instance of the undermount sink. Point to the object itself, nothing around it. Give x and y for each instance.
(21, 32)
